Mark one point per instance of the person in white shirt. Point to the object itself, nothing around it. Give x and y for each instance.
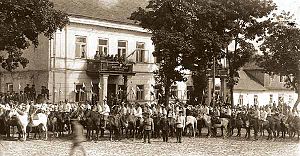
(88, 106)
(263, 115)
(180, 125)
(132, 110)
(123, 109)
(139, 111)
(68, 107)
(105, 112)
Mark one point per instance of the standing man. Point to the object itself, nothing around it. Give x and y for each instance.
(148, 127)
(32, 92)
(106, 111)
(78, 137)
(165, 125)
(27, 92)
(180, 125)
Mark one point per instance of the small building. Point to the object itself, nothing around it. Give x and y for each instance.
(257, 87)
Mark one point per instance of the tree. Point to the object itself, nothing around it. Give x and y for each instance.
(281, 53)
(247, 22)
(199, 31)
(21, 22)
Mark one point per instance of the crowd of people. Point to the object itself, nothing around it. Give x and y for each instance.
(176, 110)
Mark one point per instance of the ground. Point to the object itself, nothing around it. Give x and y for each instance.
(190, 146)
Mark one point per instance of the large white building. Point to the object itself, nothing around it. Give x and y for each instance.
(66, 64)
(67, 67)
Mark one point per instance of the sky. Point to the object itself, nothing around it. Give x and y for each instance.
(292, 6)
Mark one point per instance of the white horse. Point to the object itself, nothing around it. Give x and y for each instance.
(24, 122)
(191, 122)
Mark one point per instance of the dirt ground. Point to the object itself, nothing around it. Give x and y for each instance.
(190, 146)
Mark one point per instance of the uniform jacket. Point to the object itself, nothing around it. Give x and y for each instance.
(164, 123)
(148, 124)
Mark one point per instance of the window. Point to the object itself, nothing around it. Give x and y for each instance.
(189, 91)
(271, 98)
(174, 92)
(80, 51)
(255, 99)
(103, 47)
(140, 53)
(122, 47)
(80, 93)
(140, 92)
(10, 87)
(241, 100)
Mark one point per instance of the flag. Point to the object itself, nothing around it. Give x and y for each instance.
(60, 91)
(75, 90)
(19, 86)
(99, 85)
(83, 85)
(92, 84)
(159, 94)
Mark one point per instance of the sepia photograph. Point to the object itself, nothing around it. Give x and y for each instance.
(149, 77)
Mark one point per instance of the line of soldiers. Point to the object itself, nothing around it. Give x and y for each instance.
(29, 94)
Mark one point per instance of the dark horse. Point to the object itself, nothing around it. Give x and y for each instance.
(114, 126)
(9, 122)
(236, 122)
(93, 122)
(294, 125)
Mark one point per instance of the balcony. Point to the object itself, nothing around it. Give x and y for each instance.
(109, 65)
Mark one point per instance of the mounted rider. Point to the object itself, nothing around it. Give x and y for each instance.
(105, 112)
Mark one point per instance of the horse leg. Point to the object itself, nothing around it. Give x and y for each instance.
(46, 132)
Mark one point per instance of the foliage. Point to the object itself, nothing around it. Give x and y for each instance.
(21, 22)
(281, 52)
(190, 33)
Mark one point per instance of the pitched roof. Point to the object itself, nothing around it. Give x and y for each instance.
(111, 10)
(251, 66)
(246, 83)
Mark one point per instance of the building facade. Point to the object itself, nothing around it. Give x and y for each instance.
(99, 55)
(257, 87)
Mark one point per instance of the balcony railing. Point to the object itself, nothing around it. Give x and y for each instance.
(109, 65)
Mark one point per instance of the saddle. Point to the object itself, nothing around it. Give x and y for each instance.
(35, 117)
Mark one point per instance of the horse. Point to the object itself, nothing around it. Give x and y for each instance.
(131, 125)
(294, 125)
(92, 122)
(9, 120)
(223, 125)
(172, 124)
(53, 123)
(114, 125)
(41, 122)
(191, 125)
(139, 127)
(204, 121)
(236, 122)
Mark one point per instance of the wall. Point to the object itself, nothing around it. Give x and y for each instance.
(69, 70)
(264, 97)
